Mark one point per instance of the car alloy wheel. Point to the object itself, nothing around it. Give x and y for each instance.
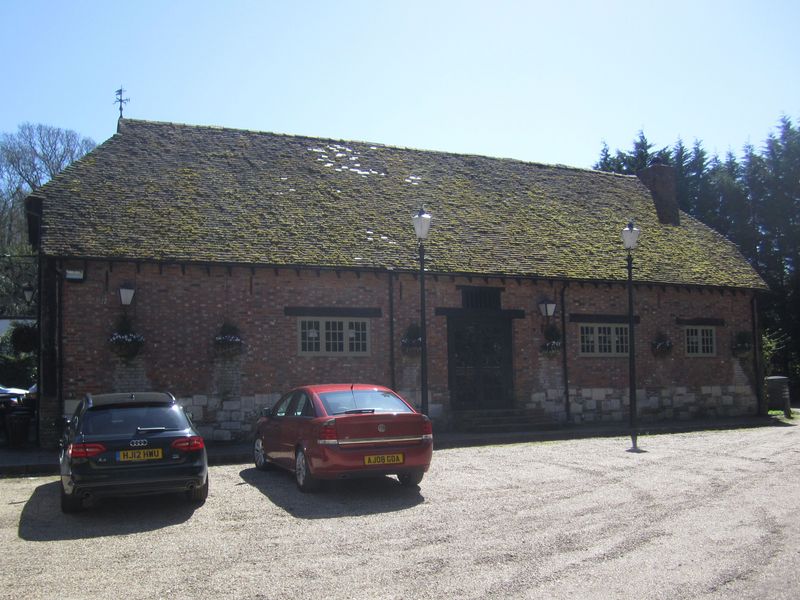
(259, 457)
(305, 481)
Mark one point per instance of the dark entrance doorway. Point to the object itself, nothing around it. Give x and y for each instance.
(479, 357)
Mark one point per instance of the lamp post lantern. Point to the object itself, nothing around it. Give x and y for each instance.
(630, 235)
(422, 224)
(27, 292)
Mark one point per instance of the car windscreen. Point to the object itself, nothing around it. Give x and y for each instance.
(130, 419)
(337, 403)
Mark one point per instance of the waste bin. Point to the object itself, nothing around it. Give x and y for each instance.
(18, 423)
(778, 394)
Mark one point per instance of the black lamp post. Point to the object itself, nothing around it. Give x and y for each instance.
(422, 224)
(630, 235)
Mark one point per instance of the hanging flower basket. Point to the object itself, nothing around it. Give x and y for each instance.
(552, 340)
(551, 349)
(228, 342)
(126, 345)
(411, 342)
(662, 345)
(124, 342)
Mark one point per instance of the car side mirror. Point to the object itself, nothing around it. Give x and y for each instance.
(266, 412)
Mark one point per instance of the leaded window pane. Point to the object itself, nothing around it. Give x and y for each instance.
(334, 336)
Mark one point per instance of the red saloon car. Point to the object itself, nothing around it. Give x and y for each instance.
(339, 431)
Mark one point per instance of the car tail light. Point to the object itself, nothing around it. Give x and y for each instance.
(427, 429)
(327, 433)
(85, 450)
(189, 444)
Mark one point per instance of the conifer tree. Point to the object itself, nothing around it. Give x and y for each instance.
(755, 202)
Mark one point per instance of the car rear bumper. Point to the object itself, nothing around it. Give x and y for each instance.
(334, 462)
(113, 482)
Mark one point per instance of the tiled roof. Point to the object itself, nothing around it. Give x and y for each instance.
(163, 191)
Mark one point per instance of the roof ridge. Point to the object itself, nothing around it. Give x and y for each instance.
(298, 136)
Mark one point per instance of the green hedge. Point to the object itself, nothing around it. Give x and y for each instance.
(18, 371)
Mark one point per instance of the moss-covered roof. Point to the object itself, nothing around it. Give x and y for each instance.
(169, 192)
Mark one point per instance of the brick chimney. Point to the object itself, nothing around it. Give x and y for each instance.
(660, 180)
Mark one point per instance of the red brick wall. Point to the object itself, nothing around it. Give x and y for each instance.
(179, 310)
(658, 310)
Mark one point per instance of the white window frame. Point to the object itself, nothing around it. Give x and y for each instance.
(603, 339)
(353, 336)
(700, 340)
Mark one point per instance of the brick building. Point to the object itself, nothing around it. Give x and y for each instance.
(257, 262)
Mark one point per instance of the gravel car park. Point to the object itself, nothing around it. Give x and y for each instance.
(697, 515)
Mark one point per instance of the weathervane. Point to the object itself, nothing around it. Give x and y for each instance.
(120, 100)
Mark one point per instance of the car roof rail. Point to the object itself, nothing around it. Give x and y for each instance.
(129, 398)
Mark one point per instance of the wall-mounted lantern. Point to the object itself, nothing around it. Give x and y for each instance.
(550, 331)
(126, 292)
(547, 308)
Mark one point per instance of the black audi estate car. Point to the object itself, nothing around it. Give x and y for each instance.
(128, 444)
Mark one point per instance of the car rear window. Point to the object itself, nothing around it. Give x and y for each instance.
(127, 419)
(336, 403)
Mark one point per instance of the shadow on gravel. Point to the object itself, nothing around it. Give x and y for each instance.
(346, 498)
(43, 521)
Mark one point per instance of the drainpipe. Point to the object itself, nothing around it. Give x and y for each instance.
(60, 342)
(757, 366)
(567, 406)
(39, 345)
(391, 330)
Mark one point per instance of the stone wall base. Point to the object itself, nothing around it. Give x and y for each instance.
(602, 405)
(226, 420)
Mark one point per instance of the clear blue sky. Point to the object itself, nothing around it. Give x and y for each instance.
(539, 81)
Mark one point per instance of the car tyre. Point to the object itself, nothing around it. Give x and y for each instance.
(70, 504)
(411, 479)
(306, 482)
(198, 495)
(260, 459)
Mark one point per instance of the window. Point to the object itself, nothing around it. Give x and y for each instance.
(604, 340)
(282, 406)
(117, 419)
(359, 401)
(701, 341)
(303, 407)
(334, 336)
(309, 336)
(480, 297)
(357, 337)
